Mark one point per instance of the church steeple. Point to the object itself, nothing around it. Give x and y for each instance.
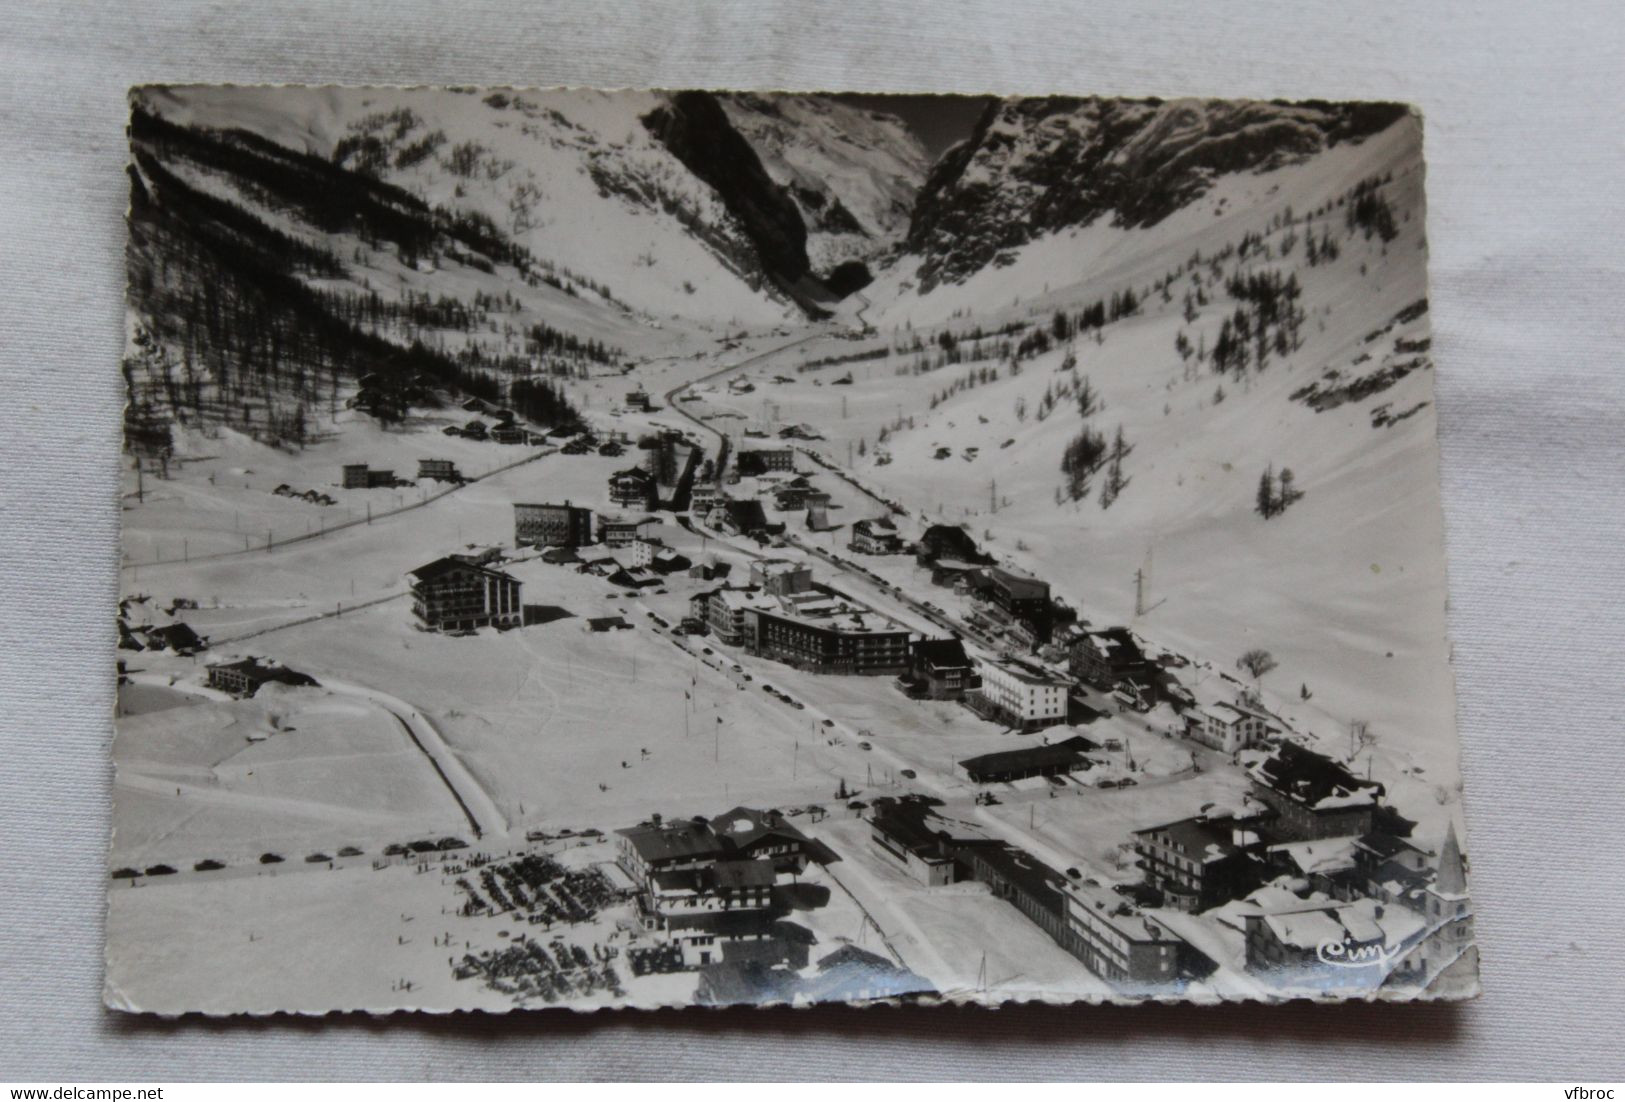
(1452, 876)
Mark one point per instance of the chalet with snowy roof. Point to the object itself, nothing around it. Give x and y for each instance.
(939, 669)
(1050, 760)
(635, 577)
(633, 488)
(455, 593)
(875, 536)
(638, 399)
(509, 433)
(677, 896)
(549, 525)
(1199, 862)
(767, 836)
(1107, 657)
(1391, 869)
(657, 847)
(1312, 795)
(1227, 728)
(948, 541)
(1315, 946)
(244, 677)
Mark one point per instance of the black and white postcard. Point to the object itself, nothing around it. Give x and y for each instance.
(588, 549)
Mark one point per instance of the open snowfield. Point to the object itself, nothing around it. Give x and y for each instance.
(285, 770)
(491, 735)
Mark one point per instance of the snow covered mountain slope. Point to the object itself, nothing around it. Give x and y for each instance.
(573, 176)
(1036, 165)
(1346, 406)
(852, 172)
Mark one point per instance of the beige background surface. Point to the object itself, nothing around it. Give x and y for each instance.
(1526, 159)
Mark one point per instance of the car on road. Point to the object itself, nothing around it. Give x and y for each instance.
(707, 650)
(208, 864)
(1127, 782)
(865, 746)
(829, 723)
(907, 774)
(766, 688)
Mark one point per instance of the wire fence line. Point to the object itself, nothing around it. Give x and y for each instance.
(272, 542)
(338, 610)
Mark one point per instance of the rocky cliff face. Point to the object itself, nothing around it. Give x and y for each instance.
(852, 173)
(696, 130)
(1032, 166)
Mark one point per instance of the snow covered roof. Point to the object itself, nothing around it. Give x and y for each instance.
(1312, 780)
(1322, 855)
(451, 564)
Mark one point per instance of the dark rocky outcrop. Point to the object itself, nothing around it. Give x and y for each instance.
(1032, 166)
(694, 127)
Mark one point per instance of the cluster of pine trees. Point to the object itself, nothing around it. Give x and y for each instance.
(971, 379)
(1267, 319)
(1088, 452)
(541, 402)
(1275, 492)
(231, 329)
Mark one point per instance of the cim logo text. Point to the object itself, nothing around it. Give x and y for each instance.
(1345, 955)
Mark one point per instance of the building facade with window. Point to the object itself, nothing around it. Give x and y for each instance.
(454, 594)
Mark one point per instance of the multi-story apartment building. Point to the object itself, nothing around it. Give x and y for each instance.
(455, 594)
(536, 525)
(1019, 694)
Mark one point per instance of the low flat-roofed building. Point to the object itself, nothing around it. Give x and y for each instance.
(1120, 944)
(1050, 760)
(903, 835)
